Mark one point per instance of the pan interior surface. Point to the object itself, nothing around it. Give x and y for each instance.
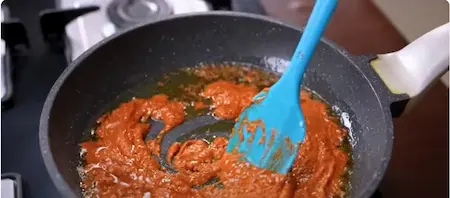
(123, 62)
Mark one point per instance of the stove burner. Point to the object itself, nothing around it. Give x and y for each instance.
(126, 13)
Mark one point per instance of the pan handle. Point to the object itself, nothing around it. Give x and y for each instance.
(411, 69)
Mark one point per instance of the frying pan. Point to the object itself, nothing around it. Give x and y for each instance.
(107, 71)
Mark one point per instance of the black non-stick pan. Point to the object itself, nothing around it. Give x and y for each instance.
(86, 88)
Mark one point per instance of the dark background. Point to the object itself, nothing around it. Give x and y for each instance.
(34, 76)
(419, 165)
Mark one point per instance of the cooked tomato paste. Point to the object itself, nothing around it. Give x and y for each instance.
(122, 163)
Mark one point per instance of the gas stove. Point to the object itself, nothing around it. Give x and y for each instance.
(115, 15)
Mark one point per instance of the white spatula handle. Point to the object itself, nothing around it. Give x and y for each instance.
(411, 69)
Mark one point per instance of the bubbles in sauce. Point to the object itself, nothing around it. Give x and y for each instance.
(121, 162)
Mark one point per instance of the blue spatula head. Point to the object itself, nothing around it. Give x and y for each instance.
(268, 135)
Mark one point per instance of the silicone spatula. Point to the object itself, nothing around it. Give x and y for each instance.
(274, 143)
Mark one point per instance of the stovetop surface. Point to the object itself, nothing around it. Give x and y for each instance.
(115, 15)
(34, 76)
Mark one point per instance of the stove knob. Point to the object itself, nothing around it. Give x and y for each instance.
(137, 10)
(126, 13)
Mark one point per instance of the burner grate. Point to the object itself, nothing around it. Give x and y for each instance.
(113, 15)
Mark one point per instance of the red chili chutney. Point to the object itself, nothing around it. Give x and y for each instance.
(120, 163)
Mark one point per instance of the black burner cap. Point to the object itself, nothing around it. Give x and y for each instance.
(125, 13)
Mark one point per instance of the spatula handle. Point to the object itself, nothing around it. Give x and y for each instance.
(292, 77)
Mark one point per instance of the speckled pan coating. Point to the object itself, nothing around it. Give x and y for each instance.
(124, 60)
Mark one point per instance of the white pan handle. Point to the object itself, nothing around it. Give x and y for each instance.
(411, 69)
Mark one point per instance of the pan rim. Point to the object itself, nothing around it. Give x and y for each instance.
(63, 187)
